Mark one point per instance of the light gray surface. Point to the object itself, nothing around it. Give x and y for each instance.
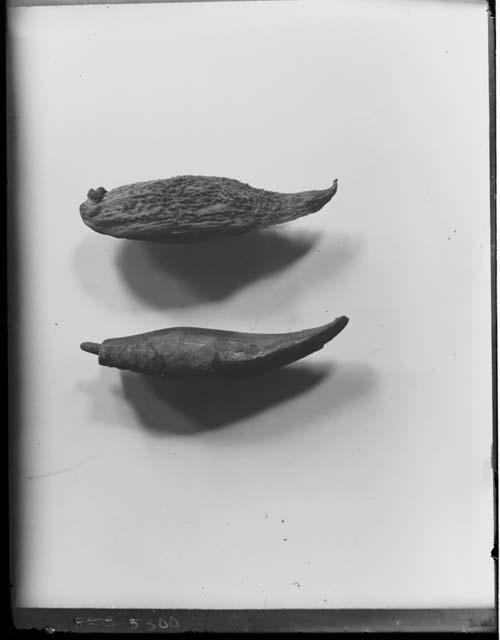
(360, 478)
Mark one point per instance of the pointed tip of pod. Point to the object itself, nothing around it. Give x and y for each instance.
(317, 199)
(331, 191)
(90, 347)
(341, 321)
(333, 328)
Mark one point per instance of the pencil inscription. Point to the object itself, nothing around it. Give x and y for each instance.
(152, 624)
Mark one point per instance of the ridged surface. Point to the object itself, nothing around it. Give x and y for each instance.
(192, 208)
(192, 351)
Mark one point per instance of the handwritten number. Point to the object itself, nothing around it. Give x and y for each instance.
(151, 625)
(134, 622)
(173, 622)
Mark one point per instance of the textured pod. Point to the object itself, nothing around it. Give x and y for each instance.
(189, 351)
(192, 208)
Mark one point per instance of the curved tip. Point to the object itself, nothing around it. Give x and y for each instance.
(318, 199)
(333, 328)
(341, 320)
(90, 347)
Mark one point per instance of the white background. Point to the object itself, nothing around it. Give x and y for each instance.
(358, 478)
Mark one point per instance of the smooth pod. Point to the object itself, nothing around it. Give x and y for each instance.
(193, 208)
(190, 351)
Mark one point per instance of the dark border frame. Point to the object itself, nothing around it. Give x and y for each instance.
(475, 620)
(494, 275)
(257, 621)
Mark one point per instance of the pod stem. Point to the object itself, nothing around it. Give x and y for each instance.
(90, 347)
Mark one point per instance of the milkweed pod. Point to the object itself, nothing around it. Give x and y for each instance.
(193, 208)
(190, 351)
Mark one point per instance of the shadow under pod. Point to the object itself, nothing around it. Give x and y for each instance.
(187, 407)
(178, 275)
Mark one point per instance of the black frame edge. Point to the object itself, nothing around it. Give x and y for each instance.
(478, 620)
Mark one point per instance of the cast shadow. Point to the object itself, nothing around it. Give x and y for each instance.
(186, 407)
(180, 276)
(175, 275)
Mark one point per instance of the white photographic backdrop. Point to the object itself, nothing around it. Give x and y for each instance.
(359, 477)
